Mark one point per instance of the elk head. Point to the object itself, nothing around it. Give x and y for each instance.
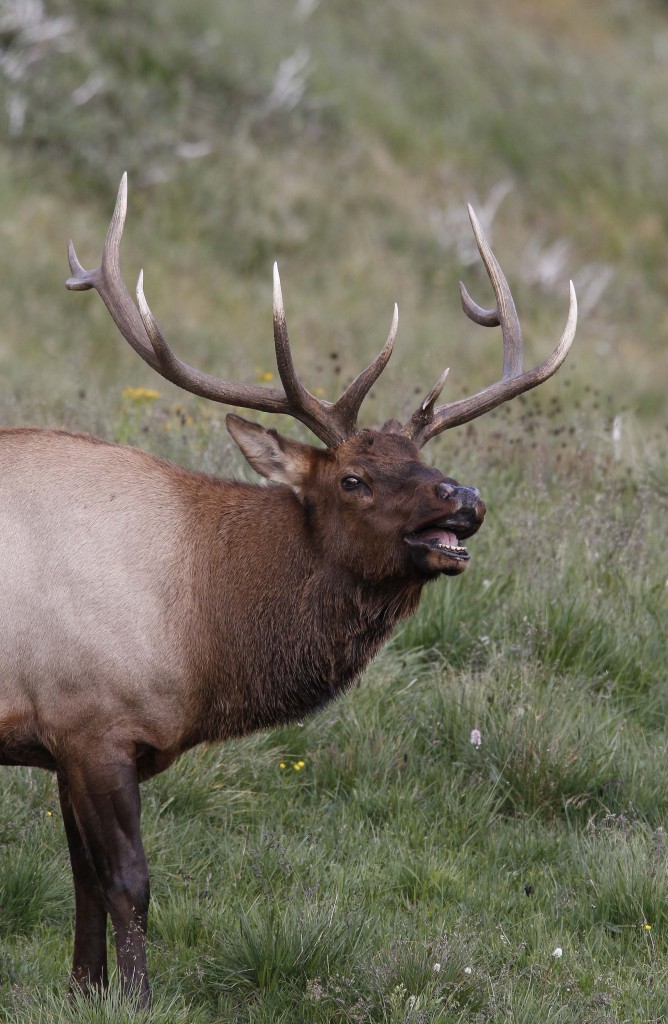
(373, 478)
(376, 510)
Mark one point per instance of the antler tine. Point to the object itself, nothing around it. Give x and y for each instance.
(108, 282)
(505, 313)
(295, 391)
(350, 402)
(318, 415)
(426, 422)
(331, 422)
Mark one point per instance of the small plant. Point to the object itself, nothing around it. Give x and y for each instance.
(287, 944)
(625, 867)
(32, 889)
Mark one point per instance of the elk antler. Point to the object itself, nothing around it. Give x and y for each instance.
(428, 421)
(332, 422)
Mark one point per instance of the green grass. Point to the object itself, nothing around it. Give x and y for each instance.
(328, 894)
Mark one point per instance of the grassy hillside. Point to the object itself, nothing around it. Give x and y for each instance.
(344, 140)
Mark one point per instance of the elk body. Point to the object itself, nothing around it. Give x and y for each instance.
(145, 608)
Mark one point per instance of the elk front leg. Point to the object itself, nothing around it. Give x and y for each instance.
(104, 798)
(89, 962)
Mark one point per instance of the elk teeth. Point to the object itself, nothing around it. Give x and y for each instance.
(448, 547)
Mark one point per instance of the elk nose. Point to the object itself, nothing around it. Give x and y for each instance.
(467, 496)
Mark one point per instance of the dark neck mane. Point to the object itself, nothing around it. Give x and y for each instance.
(303, 655)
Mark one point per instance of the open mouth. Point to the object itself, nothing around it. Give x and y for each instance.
(438, 538)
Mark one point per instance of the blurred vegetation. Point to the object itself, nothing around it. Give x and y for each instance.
(344, 139)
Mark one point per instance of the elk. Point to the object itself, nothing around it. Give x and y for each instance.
(146, 608)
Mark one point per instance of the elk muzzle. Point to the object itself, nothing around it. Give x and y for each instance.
(436, 546)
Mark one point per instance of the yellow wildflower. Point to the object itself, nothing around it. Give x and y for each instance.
(140, 394)
(264, 375)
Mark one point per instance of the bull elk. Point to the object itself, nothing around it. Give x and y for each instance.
(145, 608)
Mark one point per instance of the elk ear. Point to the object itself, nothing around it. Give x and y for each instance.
(277, 458)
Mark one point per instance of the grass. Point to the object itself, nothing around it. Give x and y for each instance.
(402, 873)
(329, 892)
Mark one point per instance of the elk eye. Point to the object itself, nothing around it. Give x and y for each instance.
(351, 483)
